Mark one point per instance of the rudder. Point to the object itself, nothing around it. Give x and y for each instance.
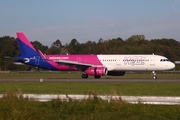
(26, 48)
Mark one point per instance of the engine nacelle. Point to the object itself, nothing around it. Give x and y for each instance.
(116, 73)
(97, 71)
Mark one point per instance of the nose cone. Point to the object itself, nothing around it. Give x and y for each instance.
(171, 66)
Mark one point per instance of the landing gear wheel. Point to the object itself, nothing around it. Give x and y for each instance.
(154, 75)
(97, 77)
(84, 76)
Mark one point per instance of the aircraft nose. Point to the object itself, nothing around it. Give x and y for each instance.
(172, 65)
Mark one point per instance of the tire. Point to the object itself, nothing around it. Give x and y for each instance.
(84, 76)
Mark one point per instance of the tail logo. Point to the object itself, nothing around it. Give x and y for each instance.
(26, 60)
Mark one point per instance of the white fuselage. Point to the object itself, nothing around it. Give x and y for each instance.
(136, 62)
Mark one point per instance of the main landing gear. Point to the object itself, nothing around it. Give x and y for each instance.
(154, 75)
(97, 76)
(85, 76)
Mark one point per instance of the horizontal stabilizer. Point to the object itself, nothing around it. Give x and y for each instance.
(18, 63)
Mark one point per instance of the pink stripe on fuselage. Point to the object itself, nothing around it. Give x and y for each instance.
(23, 38)
(87, 59)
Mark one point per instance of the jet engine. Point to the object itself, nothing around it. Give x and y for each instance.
(97, 71)
(116, 73)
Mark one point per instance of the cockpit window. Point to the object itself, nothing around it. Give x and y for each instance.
(163, 60)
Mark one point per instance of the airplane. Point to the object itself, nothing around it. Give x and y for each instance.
(90, 64)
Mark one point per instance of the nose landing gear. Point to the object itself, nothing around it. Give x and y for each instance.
(154, 75)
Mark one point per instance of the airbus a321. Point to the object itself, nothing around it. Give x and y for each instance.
(89, 64)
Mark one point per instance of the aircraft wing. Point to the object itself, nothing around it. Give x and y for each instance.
(68, 62)
(71, 64)
(81, 66)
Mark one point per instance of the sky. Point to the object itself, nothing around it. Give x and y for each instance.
(89, 20)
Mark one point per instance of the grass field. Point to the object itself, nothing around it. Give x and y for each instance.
(125, 88)
(119, 88)
(19, 108)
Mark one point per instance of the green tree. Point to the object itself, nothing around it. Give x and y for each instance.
(74, 47)
(57, 48)
(37, 45)
(57, 44)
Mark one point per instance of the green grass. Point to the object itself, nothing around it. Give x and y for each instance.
(124, 88)
(119, 88)
(19, 108)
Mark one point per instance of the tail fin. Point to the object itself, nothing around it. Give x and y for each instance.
(25, 46)
(42, 55)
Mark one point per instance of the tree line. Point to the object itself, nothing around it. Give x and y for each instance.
(135, 44)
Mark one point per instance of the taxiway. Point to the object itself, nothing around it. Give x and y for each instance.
(84, 80)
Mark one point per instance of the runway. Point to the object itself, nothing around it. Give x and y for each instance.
(85, 80)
